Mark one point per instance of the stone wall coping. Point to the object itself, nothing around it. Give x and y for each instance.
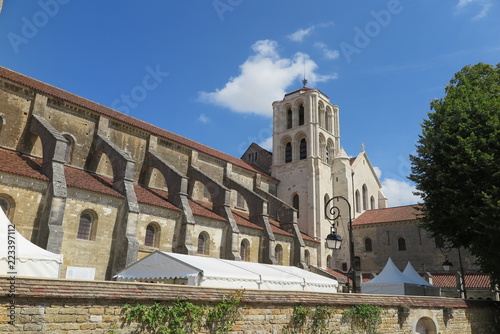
(131, 291)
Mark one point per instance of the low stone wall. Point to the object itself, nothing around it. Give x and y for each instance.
(62, 306)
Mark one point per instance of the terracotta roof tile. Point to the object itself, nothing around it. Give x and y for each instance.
(472, 281)
(59, 93)
(242, 219)
(388, 215)
(154, 197)
(80, 179)
(204, 209)
(17, 164)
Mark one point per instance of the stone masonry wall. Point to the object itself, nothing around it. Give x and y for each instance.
(64, 306)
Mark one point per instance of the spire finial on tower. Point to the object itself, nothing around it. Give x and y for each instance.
(363, 146)
(304, 82)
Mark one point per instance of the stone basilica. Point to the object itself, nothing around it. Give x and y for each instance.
(105, 189)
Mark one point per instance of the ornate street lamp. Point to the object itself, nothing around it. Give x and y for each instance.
(333, 240)
(447, 264)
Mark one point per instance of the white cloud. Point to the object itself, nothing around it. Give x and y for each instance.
(264, 78)
(203, 118)
(267, 144)
(399, 192)
(483, 6)
(327, 53)
(300, 34)
(378, 171)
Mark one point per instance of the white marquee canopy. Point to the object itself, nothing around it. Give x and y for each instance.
(30, 259)
(205, 271)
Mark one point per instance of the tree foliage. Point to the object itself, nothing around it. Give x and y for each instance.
(457, 165)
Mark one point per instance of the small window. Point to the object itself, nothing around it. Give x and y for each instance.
(358, 206)
(357, 263)
(203, 244)
(86, 227)
(245, 250)
(372, 203)
(288, 152)
(327, 154)
(289, 119)
(301, 114)
(279, 254)
(329, 262)
(152, 236)
(307, 257)
(4, 204)
(344, 266)
(368, 245)
(303, 149)
(401, 244)
(240, 201)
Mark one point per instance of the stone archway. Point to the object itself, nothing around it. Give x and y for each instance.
(425, 325)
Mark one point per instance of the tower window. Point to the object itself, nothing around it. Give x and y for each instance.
(303, 149)
(288, 152)
(365, 197)
(289, 119)
(301, 115)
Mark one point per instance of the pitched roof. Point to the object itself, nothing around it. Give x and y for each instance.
(388, 215)
(154, 197)
(111, 113)
(17, 164)
(472, 281)
(80, 179)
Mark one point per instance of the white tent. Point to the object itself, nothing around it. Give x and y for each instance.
(429, 289)
(30, 260)
(211, 272)
(391, 281)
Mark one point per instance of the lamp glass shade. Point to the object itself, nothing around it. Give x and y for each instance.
(333, 241)
(447, 265)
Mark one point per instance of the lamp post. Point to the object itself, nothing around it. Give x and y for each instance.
(333, 240)
(447, 266)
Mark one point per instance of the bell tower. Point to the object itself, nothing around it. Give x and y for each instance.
(306, 138)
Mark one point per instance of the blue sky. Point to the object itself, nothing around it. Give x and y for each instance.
(210, 70)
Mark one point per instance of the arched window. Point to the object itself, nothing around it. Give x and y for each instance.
(425, 325)
(68, 155)
(289, 118)
(368, 245)
(328, 119)
(296, 204)
(1, 123)
(365, 197)
(372, 203)
(301, 114)
(329, 263)
(357, 263)
(202, 244)
(278, 250)
(307, 257)
(329, 152)
(358, 207)
(152, 235)
(87, 226)
(288, 152)
(7, 204)
(245, 250)
(401, 244)
(303, 149)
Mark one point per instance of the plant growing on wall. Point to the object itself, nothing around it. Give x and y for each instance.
(309, 320)
(184, 316)
(364, 318)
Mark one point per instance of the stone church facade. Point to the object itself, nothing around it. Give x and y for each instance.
(106, 189)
